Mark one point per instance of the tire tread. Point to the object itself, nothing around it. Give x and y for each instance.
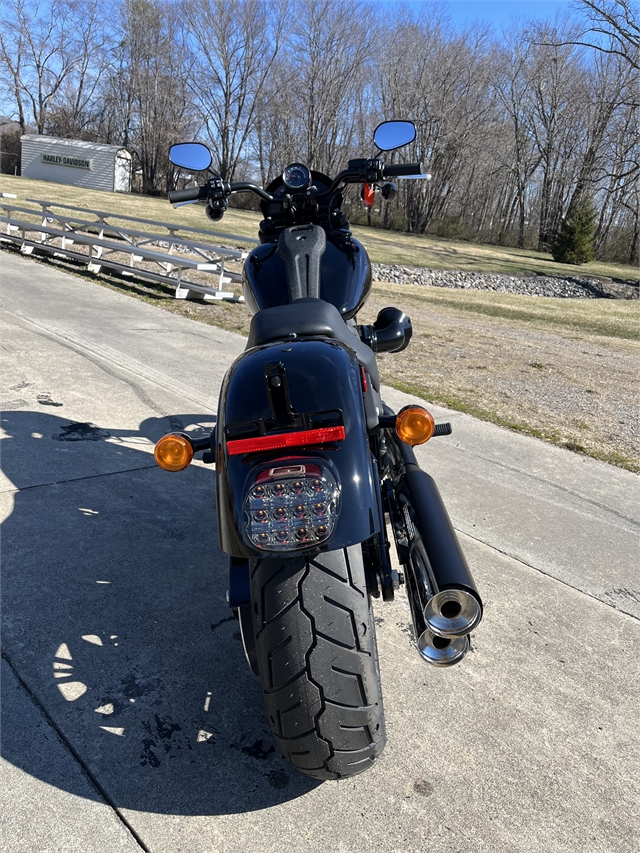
(319, 611)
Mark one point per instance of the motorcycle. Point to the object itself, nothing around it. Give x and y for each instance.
(313, 470)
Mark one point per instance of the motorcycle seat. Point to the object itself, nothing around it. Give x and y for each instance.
(310, 318)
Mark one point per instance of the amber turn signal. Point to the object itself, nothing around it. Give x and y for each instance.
(415, 425)
(173, 452)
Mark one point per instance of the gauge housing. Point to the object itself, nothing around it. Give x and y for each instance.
(296, 177)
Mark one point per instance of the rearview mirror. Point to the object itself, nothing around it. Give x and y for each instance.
(190, 155)
(394, 134)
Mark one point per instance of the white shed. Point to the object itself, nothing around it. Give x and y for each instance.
(72, 161)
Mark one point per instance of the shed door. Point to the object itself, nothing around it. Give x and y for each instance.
(123, 175)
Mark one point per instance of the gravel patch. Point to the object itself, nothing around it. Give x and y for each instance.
(572, 287)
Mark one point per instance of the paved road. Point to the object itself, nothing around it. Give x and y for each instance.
(130, 720)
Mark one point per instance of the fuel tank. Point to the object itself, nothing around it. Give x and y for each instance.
(345, 276)
(322, 376)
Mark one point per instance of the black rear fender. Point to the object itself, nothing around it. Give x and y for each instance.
(324, 384)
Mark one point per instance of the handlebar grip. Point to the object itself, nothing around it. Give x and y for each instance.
(403, 170)
(191, 194)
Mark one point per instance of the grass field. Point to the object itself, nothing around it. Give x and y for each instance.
(564, 370)
(390, 247)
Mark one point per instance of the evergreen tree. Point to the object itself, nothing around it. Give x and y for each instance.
(575, 242)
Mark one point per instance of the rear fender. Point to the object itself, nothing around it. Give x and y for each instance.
(321, 376)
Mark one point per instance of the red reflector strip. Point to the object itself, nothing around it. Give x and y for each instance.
(285, 439)
(363, 376)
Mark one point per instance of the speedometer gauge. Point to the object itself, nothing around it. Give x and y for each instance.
(296, 177)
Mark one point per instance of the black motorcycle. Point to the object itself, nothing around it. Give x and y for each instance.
(313, 469)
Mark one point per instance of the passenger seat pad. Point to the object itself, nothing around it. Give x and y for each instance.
(310, 318)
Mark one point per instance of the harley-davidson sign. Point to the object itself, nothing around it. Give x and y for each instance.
(59, 160)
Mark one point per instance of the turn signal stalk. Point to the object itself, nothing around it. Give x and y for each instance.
(173, 452)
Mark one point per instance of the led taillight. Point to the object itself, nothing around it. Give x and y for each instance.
(278, 441)
(292, 507)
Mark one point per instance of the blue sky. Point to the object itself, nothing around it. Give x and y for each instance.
(497, 12)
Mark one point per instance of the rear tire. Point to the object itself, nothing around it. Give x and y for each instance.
(318, 662)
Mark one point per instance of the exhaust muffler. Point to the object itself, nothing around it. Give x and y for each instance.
(452, 613)
(434, 648)
(445, 603)
(439, 651)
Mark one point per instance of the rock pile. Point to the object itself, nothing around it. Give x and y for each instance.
(571, 287)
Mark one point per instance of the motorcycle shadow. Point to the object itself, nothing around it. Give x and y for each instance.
(116, 623)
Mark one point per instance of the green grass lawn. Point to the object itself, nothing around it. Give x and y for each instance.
(609, 318)
(390, 247)
(241, 223)
(394, 247)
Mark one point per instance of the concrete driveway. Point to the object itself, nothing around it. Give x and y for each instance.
(130, 718)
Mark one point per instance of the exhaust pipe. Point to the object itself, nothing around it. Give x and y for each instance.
(439, 651)
(452, 613)
(433, 647)
(444, 600)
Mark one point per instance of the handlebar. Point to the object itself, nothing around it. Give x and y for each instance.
(244, 186)
(402, 170)
(191, 194)
(358, 171)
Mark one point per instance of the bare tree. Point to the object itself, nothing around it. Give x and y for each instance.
(619, 22)
(73, 109)
(235, 44)
(512, 88)
(317, 94)
(146, 105)
(619, 179)
(515, 131)
(277, 137)
(557, 119)
(38, 53)
(11, 61)
(604, 94)
(439, 78)
(330, 51)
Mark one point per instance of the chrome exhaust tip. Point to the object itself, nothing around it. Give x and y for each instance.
(452, 613)
(442, 651)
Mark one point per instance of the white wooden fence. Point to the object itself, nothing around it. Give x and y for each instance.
(100, 240)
